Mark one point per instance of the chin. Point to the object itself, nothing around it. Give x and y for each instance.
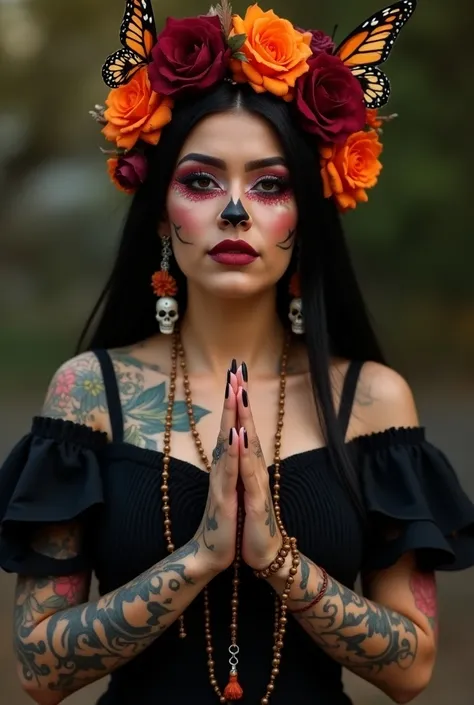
(235, 285)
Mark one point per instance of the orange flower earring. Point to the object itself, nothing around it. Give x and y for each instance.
(165, 287)
(296, 306)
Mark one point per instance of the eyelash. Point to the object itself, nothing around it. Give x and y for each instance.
(187, 181)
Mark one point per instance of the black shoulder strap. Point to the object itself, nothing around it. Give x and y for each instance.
(348, 394)
(111, 393)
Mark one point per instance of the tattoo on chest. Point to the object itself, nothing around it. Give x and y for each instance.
(145, 408)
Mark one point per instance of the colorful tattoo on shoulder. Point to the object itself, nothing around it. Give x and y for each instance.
(77, 391)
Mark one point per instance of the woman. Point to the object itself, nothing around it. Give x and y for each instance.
(210, 563)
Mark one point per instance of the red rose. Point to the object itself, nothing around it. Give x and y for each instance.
(320, 41)
(330, 99)
(128, 171)
(190, 55)
(68, 587)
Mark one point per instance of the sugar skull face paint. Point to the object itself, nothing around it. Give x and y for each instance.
(232, 162)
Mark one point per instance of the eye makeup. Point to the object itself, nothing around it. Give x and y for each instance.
(186, 184)
(270, 189)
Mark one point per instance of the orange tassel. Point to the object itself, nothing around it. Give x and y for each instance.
(233, 690)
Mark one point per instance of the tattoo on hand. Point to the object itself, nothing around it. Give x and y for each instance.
(220, 449)
(257, 448)
(209, 523)
(270, 512)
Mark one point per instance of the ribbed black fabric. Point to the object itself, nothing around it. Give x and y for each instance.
(62, 470)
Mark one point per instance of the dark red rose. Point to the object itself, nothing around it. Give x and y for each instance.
(190, 55)
(320, 41)
(329, 99)
(128, 171)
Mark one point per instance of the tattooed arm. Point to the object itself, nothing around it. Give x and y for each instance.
(389, 641)
(63, 645)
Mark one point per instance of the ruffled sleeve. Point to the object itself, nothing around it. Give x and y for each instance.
(415, 503)
(51, 476)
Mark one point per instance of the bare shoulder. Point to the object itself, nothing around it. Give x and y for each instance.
(383, 400)
(76, 392)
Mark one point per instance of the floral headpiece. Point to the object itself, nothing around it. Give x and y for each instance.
(336, 91)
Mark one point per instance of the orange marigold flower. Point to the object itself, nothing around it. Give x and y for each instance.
(372, 118)
(276, 52)
(348, 170)
(164, 284)
(135, 112)
(295, 285)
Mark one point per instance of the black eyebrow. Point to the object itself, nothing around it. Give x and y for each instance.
(203, 159)
(261, 163)
(220, 163)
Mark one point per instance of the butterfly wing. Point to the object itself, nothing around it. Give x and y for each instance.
(375, 85)
(138, 37)
(120, 67)
(138, 31)
(371, 44)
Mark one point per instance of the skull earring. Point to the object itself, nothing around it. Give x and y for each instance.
(296, 306)
(165, 287)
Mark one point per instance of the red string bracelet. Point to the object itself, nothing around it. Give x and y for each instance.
(318, 597)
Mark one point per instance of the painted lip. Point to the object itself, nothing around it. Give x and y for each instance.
(233, 252)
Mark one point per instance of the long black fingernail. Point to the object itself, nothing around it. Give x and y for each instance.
(233, 367)
(231, 436)
(228, 376)
(227, 390)
(246, 439)
(245, 398)
(245, 372)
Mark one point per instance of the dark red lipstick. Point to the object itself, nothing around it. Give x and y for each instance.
(233, 252)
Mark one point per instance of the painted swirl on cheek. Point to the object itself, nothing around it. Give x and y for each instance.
(176, 230)
(288, 241)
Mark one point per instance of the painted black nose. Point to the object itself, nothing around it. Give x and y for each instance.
(234, 213)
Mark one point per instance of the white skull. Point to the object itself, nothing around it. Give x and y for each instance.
(296, 316)
(166, 314)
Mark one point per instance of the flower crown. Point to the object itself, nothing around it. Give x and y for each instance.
(336, 92)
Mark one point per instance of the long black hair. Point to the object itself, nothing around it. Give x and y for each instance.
(336, 319)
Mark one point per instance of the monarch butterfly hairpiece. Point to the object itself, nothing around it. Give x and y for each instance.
(138, 37)
(370, 45)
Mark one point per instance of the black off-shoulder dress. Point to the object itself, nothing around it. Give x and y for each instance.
(62, 470)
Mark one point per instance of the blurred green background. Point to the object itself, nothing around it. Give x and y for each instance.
(413, 245)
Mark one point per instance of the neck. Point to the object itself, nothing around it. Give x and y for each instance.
(216, 330)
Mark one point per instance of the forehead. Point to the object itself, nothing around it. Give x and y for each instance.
(235, 137)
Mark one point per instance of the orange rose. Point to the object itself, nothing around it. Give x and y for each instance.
(136, 112)
(276, 52)
(349, 169)
(372, 118)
